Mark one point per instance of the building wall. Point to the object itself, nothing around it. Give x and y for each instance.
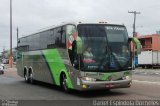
(156, 43)
(152, 42)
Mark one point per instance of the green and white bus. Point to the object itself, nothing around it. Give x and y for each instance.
(58, 55)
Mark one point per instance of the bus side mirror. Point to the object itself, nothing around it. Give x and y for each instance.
(138, 44)
(79, 46)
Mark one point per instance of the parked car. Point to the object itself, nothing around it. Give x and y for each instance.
(14, 63)
(1, 69)
(5, 61)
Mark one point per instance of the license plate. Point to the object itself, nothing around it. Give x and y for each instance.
(109, 85)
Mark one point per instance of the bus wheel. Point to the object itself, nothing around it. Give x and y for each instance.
(26, 77)
(108, 90)
(143, 66)
(31, 80)
(64, 83)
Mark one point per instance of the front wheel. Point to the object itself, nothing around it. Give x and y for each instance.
(108, 90)
(64, 84)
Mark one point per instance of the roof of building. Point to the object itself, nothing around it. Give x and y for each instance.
(148, 36)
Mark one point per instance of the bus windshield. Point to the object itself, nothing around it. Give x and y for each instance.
(106, 47)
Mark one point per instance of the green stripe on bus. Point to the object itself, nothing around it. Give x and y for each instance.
(56, 65)
(107, 76)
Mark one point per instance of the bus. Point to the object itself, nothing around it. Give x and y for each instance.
(80, 56)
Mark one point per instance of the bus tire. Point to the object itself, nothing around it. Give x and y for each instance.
(63, 82)
(108, 90)
(143, 66)
(26, 78)
(31, 80)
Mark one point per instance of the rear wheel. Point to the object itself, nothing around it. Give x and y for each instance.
(26, 77)
(143, 66)
(31, 80)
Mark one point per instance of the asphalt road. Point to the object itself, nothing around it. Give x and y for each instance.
(13, 87)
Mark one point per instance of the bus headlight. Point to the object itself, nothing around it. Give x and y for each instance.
(126, 77)
(88, 79)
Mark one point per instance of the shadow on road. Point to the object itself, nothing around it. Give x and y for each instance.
(82, 94)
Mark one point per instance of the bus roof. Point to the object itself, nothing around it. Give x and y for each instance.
(68, 23)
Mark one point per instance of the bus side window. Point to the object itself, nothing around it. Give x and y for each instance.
(51, 39)
(61, 37)
(63, 32)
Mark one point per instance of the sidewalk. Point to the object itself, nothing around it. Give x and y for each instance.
(10, 72)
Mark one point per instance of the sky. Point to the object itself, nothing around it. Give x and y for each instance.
(32, 15)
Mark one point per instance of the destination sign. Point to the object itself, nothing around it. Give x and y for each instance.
(115, 28)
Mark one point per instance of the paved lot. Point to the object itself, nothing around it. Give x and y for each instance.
(13, 87)
(151, 75)
(147, 72)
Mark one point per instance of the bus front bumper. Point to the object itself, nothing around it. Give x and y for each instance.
(88, 85)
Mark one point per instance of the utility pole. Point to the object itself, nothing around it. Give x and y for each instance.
(134, 32)
(10, 59)
(134, 23)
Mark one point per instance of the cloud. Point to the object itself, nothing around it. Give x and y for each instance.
(32, 15)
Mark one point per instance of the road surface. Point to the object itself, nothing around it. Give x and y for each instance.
(13, 87)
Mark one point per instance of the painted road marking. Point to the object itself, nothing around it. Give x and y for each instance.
(149, 82)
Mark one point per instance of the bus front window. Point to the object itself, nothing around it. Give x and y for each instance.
(104, 48)
(118, 43)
